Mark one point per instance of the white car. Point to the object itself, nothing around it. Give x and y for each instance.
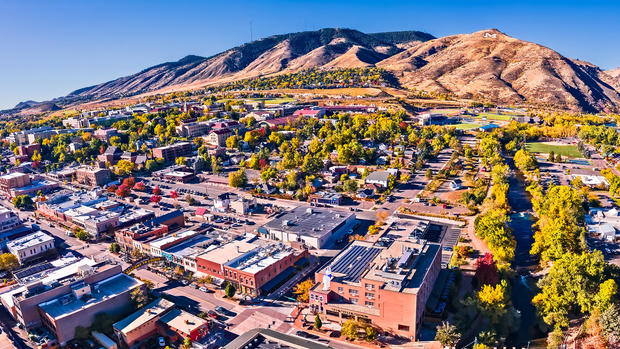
(162, 342)
(203, 289)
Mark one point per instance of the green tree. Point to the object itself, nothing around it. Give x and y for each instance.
(447, 335)
(524, 160)
(115, 247)
(230, 290)
(371, 333)
(302, 290)
(23, 202)
(610, 321)
(317, 322)
(82, 235)
(551, 157)
(350, 185)
(429, 174)
(187, 343)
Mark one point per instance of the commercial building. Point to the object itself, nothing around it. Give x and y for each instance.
(31, 246)
(83, 301)
(92, 176)
(159, 317)
(169, 240)
(265, 338)
(315, 227)
(142, 324)
(184, 254)
(139, 235)
(14, 180)
(171, 152)
(248, 266)
(10, 226)
(54, 294)
(386, 284)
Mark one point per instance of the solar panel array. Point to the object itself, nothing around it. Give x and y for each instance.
(355, 261)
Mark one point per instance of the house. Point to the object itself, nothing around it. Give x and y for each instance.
(378, 178)
(313, 113)
(112, 154)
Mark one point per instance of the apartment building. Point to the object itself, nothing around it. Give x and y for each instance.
(92, 176)
(171, 152)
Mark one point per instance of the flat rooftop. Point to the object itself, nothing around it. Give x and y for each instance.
(264, 338)
(100, 292)
(170, 238)
(225, 253)
(147, 313)
(309, 221)
(260, 258)
(33, 239)
(182, 320)
(190, 247)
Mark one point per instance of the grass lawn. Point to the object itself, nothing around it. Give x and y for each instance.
(564, 150)
(500, 117)
(465, 126)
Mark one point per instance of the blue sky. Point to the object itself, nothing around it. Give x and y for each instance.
(49, 48)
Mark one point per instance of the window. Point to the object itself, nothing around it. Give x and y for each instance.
(370, 287)
(370, 295)
(340, 290)
(353, 292)
(321, 298)
(403, 328)
(370, 304)
(354, 300)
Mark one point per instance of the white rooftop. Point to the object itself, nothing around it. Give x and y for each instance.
(171, 238)
(27, 241)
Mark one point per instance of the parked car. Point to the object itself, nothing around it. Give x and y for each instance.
(162, 342)
(203, 289)
(212, 314)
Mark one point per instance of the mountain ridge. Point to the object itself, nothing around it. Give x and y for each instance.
(486, 65)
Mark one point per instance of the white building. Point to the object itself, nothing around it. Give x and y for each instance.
(30, 246)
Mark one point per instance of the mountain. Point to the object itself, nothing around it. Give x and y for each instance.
(493, 66)
(330, 48)
(487, 65)
(25, 104)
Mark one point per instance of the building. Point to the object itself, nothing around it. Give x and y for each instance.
(378, 178)
(265, 338)
(313, 113)
(192, 129)
(83, 301)
(178, 324)
(105, 134)
(169, 240)
(111, 154)
(14, 180)
(385, 285)
(10, 226)
(29, 150)
(184, 254)
(171, 152)
(159, 317)
(76, 122)
(432, 119)
(326, 198)
(92, 176)
(41, 290)
(315, 227)
(252, 269)
(31, 246)
(218, 137)
(142, 324)
(138, 235)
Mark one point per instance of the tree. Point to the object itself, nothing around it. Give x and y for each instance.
(124, 167)
(558, 158)
(180, 161)
(350, 329)
(8, 261)
(187, 343)
(174, 194)
(139, 297)
(155, 198)
(447, 335)
(317, 322)
(156, 190)
(80, 234)
(610, 322)
(486, 270)
(573, 284)
(115, 247)
(551, 157)
(190, 200)
(139, 186)
(302, 290)
(129, 181)
(237, 179)
(493, 301)
(123, 190)
(371, 333)
(429, 174)
(524, 160)
(268, 173)
(230, 290)
(350, 185)
(22, 202)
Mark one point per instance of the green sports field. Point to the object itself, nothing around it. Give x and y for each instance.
(465, 126)
(564, 150)
(500, 117)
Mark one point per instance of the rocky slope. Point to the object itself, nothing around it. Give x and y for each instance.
(330, 48)
(490, 65)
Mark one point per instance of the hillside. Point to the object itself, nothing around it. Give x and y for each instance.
(330, 48)
(490, 65)
(486, 65)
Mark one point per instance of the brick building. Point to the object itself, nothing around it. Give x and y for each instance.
(93, 176)
(171, 152)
